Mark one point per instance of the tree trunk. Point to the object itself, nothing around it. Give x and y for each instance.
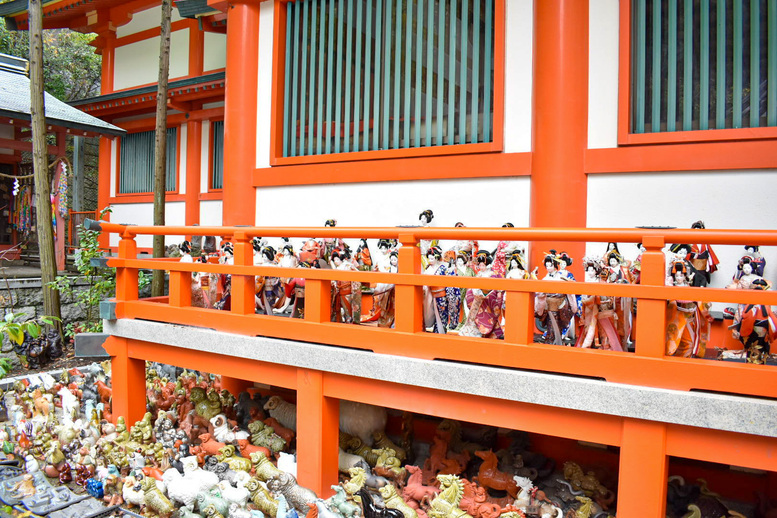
(42, 179)
(160, 149)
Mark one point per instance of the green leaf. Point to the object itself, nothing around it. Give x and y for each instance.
(10, 317)
(33, 329)
(15, 335)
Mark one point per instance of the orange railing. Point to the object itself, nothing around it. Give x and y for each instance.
(647, 366)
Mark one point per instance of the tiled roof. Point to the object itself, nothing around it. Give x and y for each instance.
(15, 102)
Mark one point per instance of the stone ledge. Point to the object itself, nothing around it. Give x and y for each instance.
(740, 414)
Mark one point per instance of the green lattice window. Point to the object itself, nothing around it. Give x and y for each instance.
(136, 167)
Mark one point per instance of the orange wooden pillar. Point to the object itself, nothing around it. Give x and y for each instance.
(560, 125)
(318, 419)
(643, 470)
(409, 299)
(104, 164)
(240, 112)
(651, 324)
(128, 381)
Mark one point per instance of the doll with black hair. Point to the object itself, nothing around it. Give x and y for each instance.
(755, 326)
(756, 259)
(703, 258)
(687, 321)
(683, 253)
(343, 309)
(186, 252)
(485, 306)
(425, 219)
(598, 327)
(270, 288)
(383, 296)
(436, 297)
(555, 310)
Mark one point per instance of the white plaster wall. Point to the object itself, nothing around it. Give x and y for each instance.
(519, 49)
(475, 202)
(215, 55)
(264, 84)
(724, 200)
(138, 63)
(210, 213)
(143, 20)
(143, 214)
(6, 131)
(603, 73)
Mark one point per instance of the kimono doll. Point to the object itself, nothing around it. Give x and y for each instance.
(688, 322)
(329, 244)
(363, 256)
(271, 291)
(759, 263)
(436, 297)
(755, 326)
(745, 275)
(186, 252)
(555, 310)
(617, 273)
(225, 280)
(295, 289)
(342, 291)
(703, 258)
(383, 297)
(598, 326)
(467, 246)
(635, 270)
(287, 260)
(485, 307)
(426, 218)
(382, 263)
(683, 252)
(462, 268)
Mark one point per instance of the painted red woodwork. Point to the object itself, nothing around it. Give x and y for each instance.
(560, 129)
(240, 113)
(193, 165)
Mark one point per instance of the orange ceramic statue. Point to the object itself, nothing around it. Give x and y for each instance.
(489, 475)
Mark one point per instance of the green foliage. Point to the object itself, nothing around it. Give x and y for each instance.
(101, 282)
(71, 69)
(14, 328)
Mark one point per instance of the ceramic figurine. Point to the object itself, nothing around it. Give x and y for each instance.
(223, 432)
(363, 256)
(393, 501)
(745, 274)
(682, 253)
(287, 434)
(227, 454)
(132, 491)
(757, 260)
(588, 483)
(357, 447)
(469, 247)
(297, 496)
(688, 322)
(295, 290)
(598, 323)
(371, 510)
(358, 477)
(212, 498)
(206, 404)
(263, 468)
(345, 305)
(440, 461)
(755, 326)
(330, 244)
(388, 465)
(703, 257)
(475, 501)
(339, 503)
(261, 498)
(263, 436)
(425, 218)
(383, 294)
(435, 297)
(485, 306)
(446, 503)
(555, 310)
(490, 477)
(272, 295)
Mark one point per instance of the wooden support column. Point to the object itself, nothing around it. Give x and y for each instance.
(128, 381)
(104, 185)
(560, 126)
(243, 286)
(644, 466)
(240, 112)
(519, 315)
(318, 300)
(127, 278)
(318, 419)
(651, 321)
(409, 299)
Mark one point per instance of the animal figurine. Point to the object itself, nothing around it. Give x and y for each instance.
(446, 503)
(346, 461)
(222, 432)
(263, 435)
(264, 469)
(357, 447)
(392, 500)
(373, 511)
(439, 462)
(415, 491)
(227, 454)
(94, 488)
(283, 509)
(184, 487)
(210, 445)
(132, 492)
(382, 441)
(287, 434)
(339, 503)
(246, 449)
(206, 404)
(185, 512)
(261, 498)
(233, 495)
(388, 465)
(322, 510)
(283, 411)
(212, 497)
(356, 482)
(475, 501)
(297, 496)
(247, 409)
(236, 511)
(589, 484)
(210, 511)
(490, 477)
(288, 463)
(154, 499)
(70, 403)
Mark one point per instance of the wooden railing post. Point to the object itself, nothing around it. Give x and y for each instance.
(243, 286)
(128, 381)
(644, 467)
(409, 299)
(651, 314)
(318, 424)
(127, 278)
(180, 289)
(318, 300)
(519, 317)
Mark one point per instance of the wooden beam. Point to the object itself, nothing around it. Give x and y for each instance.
(20, 145)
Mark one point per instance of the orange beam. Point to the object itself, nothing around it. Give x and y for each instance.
(560, 129)
(643, 470)
(736, 449)
(128, 380)
(241, 112)
(318, 424)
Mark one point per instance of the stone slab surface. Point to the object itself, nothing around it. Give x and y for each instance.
(90, 345)
(741, 414)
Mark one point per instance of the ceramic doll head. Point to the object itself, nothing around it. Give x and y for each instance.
(613, 261)
(434, 254)
(679, 273)
(611, 247)
(484, 259)
(338, 256)
(641, 248)
(746, 265)
(330, 223)
(516, 261)
(426, 217)
(564, 261)
(384, 245)
(185, 247)
(257, 244)
(268, 254)
(681, 250)
(461, 260)
(593, 270)
(508, 225)
(698, 224)
(550, 261)
(394, 258)
(459, 224)
(227, 249)
(288, 250)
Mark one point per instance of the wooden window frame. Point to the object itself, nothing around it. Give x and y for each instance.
(211, 149)
(276, 130)
(625, 137)
(142, 197)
